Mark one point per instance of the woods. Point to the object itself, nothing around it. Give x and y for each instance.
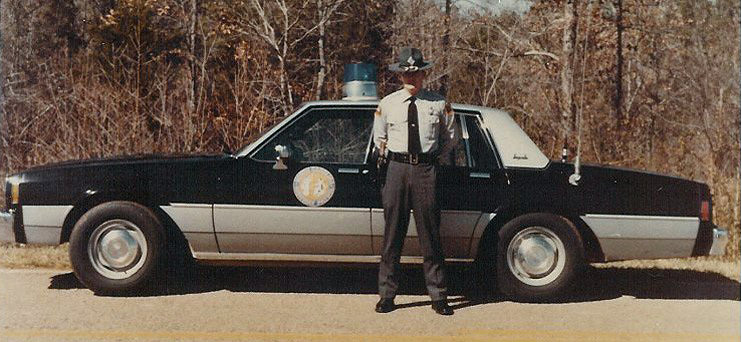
(646, 84)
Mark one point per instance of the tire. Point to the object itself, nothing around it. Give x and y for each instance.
(117, 248)
(538, 257)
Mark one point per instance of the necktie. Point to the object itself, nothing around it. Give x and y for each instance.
(413, 136)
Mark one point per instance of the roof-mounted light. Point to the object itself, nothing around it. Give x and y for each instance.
(359, 82)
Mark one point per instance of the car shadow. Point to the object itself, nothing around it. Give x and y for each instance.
(596, 284)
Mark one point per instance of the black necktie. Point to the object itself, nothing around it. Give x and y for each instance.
(413, 136)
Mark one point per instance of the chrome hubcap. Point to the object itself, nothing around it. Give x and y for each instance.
(117, 249)
(536, 256)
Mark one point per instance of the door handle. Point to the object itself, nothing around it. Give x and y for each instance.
(348, 170)
(484, 175)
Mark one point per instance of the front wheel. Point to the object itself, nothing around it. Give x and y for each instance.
(538, 257)
(116, 247)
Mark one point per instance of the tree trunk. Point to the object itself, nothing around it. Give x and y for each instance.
(4, 158)
(567, 76)
(446, 47)
(2, 75)
(283, 84)
(321, 45)
(618, 100)
(191, 92)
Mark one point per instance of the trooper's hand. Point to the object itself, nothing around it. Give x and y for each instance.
(381, 161)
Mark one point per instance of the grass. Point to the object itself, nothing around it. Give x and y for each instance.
(56, 257)
(725, 267)
(27, 256)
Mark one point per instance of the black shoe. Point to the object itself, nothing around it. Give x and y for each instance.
(441, 307)
(385, 305)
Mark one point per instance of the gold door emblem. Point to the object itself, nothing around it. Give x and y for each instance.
(314, 186)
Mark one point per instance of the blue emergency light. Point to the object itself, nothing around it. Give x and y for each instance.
(359, 82)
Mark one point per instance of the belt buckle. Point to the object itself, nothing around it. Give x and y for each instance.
(413, 158)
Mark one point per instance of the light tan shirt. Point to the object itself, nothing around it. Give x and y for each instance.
(434, 116)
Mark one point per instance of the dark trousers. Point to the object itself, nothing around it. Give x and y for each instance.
(411, 186)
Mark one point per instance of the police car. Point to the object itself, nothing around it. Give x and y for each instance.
(308, 191)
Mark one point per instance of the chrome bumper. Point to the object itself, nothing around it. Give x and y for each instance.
(6, 227)
(721, 236)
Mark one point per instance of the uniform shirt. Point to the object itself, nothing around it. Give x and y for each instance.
(434, 116)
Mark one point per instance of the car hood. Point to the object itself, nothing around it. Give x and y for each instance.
(126, 160)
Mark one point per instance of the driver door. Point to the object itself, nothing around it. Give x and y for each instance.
(319, 204)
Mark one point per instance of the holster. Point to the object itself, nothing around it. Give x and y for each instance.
(382, 164)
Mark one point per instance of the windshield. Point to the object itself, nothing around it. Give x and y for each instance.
(256, 137)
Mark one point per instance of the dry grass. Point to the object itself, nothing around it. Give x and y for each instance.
(727, 268)
(25, 256)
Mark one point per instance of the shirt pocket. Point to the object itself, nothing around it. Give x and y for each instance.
(429, 125)
(396, 123)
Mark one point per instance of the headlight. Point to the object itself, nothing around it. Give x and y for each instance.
(14, 193)
(12, 189)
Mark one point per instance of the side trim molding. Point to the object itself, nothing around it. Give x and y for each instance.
(42, 224)
(624, 237)
(45, 215)
(320, 258)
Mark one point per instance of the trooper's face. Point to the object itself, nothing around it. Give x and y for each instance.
(413, 80)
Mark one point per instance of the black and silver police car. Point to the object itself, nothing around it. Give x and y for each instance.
(308, 191)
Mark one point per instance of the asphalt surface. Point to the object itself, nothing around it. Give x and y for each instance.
(336, 304)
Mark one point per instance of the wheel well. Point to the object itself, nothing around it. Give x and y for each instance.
(590, 244)
(175, 236)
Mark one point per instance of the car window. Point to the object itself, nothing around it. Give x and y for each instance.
(325, 136)
(459, 150)
(479, 154)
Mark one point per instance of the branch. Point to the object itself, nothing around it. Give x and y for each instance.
(541, 53)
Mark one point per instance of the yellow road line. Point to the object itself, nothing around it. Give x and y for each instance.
(473, 336)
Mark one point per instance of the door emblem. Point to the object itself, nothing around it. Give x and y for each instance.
(314, 186)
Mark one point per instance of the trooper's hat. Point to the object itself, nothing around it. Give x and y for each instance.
(410, 59)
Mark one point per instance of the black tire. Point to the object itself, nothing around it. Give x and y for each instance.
(115, 224)
(553, 277)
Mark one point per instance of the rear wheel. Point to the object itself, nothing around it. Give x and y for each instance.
(538, 257)
(117, 247)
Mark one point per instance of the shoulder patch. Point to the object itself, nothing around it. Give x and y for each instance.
(378, 111)
(447, 109)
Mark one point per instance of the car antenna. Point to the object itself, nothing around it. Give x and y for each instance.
(574, 178)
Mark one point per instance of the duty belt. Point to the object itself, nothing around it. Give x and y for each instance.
(411, 158)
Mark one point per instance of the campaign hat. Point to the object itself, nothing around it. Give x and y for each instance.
(410, 60)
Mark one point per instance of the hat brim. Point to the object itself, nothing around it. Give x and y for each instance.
(396, 68)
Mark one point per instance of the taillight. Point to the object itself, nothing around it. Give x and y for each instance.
(705, 210)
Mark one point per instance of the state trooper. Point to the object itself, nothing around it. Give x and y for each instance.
(413, 128)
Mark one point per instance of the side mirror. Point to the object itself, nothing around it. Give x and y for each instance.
(284, 154)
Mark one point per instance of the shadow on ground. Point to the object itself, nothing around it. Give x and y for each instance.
(596, 284)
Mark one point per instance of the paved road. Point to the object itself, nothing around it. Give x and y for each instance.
(336, 304)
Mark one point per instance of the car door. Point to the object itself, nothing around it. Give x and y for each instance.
(319, 203)
(467, 184)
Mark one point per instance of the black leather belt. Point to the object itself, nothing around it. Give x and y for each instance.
(411, 158)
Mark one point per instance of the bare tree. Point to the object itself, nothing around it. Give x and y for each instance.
(279, 24)
(325, 10)
(569, 36)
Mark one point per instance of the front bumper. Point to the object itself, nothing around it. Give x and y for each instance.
(720, 239)
(6, 227)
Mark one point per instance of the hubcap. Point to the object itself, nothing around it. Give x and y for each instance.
(536, 256)
(117, 249)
